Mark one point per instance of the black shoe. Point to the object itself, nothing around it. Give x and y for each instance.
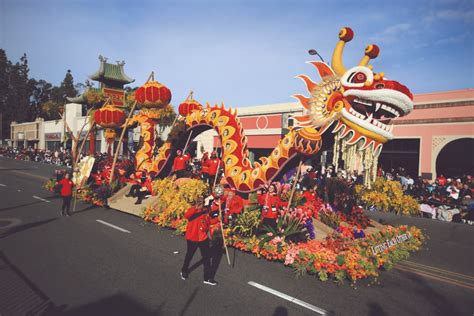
(184, 276)
(128, 195)
(138, 202)
(210, 282)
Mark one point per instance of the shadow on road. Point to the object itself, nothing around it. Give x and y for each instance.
(375, 309)
(280, 311)
(54, 197)
(189, 301)
(18, 295)
(439, 302)
(88, 208)
(19, 228)
(117, 305)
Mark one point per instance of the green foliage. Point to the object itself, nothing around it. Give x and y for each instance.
(286, 226)
(246, 224)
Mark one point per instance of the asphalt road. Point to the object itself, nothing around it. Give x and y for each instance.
(53, 265)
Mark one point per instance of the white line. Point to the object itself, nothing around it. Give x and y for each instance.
(2, 185)
(113, 226)
(289, 298)
(41, 199)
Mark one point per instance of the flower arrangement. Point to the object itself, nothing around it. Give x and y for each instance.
(173, 201)
(247, 223)
(388, 196)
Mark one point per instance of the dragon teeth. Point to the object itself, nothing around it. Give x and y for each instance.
(377, 106)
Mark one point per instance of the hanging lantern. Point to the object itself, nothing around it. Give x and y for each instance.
(153, 95)
(109, 117)
(189, 105)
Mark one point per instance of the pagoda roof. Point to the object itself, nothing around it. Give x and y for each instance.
(112, 72)
(81, 99)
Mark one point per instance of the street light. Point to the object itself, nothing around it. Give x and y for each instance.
(315, 52)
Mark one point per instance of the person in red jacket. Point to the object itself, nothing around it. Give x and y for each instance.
(66, 193)
(271, 204)
(179, 164)
(233, 205)
(213, 164)
(197, 236)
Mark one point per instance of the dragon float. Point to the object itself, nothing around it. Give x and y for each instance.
(351, 110)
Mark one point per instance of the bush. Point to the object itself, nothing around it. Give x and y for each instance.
(388, 196)
(246, 224)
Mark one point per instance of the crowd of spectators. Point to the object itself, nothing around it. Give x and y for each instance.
(447, 199)
(59, 157)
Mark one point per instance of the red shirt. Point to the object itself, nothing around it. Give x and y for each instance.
(212, 165)
(270, 203)
(66, 187)
(198, 227)
(187, 157)
(179, 163)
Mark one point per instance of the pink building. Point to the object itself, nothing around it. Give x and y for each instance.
(437, 137)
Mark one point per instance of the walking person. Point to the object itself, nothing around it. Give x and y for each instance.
(66, 193)
(197, 236)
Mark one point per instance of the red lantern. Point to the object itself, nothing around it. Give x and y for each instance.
(109, 117)
(153, 95)
(189, 105)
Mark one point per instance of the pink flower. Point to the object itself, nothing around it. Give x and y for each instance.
(270, 234)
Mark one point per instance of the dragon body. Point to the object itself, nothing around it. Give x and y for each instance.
(350, 109)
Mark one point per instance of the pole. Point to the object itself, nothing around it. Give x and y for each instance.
(294, 184)
(222, 230)
(187, 142)
(120, 140)
(83, 142)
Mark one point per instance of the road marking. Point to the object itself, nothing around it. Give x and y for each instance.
(288, 298)
(41, 199)
(2, 185)
(113, 226)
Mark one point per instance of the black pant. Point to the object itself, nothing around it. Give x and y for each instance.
(203, 246)
(66, 204)
(180, 174)
(134, 190)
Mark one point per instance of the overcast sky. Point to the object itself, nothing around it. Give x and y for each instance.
(241, 53)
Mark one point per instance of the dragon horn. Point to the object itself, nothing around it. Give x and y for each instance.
(345, 35)
(371, 52)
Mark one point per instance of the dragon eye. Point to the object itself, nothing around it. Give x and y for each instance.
(358, 77)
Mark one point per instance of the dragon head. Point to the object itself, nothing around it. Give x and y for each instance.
(361, 102)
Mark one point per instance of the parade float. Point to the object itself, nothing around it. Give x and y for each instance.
(351, 110)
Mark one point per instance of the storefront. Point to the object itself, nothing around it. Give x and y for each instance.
(52, 141)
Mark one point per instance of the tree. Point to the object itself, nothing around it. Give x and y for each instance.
(41, 94)
(67, 86)
(4, 83)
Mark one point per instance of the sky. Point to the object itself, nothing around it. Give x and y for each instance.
(241, 53)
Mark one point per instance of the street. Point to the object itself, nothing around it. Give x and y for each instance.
(104, 262)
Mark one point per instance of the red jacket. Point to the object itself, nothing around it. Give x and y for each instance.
(309, 196)
(66, 187)
(179, 163)
(234, 205)
(212, 165)
(272, 202)
(198, 224)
